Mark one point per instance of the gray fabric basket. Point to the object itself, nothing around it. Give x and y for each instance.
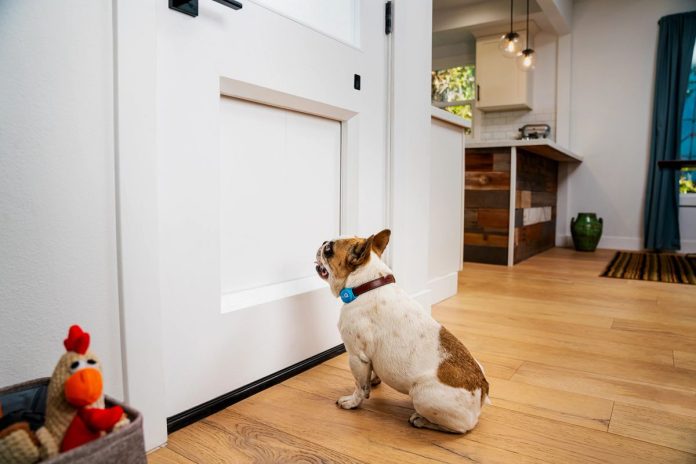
(123, 446)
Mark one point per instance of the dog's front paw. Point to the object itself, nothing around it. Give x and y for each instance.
(348, 402)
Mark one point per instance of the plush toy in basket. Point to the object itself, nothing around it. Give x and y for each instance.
(75, 410)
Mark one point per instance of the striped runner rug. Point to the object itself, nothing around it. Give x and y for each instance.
(657, 267)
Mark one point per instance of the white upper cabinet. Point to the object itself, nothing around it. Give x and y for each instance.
(501, 85)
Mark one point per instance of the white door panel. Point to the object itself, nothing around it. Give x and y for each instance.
(247, 193)
(280, 187)
(338, 18)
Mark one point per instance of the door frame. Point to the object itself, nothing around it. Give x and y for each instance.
(135, 146)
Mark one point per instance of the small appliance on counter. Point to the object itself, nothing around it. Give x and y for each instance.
(534, 131)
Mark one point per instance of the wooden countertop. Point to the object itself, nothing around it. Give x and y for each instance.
(542, 147)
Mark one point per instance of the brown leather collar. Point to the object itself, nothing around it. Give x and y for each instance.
(371, 285)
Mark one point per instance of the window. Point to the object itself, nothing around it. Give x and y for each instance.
(454, 90)
(687, 147)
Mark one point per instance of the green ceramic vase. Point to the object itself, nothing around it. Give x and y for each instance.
(586, 230)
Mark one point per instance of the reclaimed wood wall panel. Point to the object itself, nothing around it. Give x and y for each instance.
(487, 205)
(537, 184)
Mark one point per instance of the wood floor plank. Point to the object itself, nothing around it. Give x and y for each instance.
(674, 334)
(655, 374)
(529, 309)
(612, 388)
(654, 426)
(557, 442)
(560, 405)
(685, 360)
(167, 456)
(359, 432)
(231, 437)
(563, 406)
(568, 336)
(582, 369)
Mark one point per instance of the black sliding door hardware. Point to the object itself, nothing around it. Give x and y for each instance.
(190, 7)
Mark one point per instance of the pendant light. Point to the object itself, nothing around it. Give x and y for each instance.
(526, 60)
(510, 43)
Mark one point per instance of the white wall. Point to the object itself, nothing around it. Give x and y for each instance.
(57, 238)
(613, 65)
(412, 44)
(446, 206)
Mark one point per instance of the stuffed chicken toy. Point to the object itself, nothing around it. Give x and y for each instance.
(75, 410)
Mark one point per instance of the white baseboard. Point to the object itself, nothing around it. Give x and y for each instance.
(623, 243)
(688, 246)
(424, 298)
(443, 287)
(606, 242)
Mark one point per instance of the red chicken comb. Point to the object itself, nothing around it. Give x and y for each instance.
(77, 341)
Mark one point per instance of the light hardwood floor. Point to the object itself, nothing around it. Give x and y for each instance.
(582, 369)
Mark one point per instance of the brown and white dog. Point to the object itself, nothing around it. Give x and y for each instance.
(388, 336)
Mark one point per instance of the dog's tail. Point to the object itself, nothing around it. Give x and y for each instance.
(485, 398)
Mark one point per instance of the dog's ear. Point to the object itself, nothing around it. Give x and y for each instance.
(361, 252)
(380, 242)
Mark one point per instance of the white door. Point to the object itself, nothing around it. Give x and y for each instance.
(265, 149)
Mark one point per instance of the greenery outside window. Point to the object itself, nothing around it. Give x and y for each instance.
(687, 148)
(454, 90)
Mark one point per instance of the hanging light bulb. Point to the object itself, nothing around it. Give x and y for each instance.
(510, 44)
(526, 60)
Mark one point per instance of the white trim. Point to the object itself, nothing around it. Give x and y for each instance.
(445, 104)
(513, 198)
(623, 243)
(443, 287)
(348, 216)
(135, 70)
(620, 243)
(687, 200)
(267, 96)
(607, 242)
(462, 212)
(446, 116)
(268, 293)
(688, 246)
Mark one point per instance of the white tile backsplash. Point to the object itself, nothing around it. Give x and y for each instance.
(505, 125)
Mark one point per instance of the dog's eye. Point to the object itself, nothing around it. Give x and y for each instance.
(74, 365)
(328, 249)
(91, 361)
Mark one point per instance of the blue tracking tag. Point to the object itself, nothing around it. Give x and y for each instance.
(347, 295)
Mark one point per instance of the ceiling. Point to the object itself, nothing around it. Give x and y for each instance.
(455, 21)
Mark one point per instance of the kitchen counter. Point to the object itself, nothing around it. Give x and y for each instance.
(542, 147)
(511, 189)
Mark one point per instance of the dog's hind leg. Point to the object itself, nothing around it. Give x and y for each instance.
(444, 408)
(421, 422)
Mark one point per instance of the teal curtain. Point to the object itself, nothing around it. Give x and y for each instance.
(675, 49)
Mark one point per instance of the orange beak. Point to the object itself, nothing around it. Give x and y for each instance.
(84, 387)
